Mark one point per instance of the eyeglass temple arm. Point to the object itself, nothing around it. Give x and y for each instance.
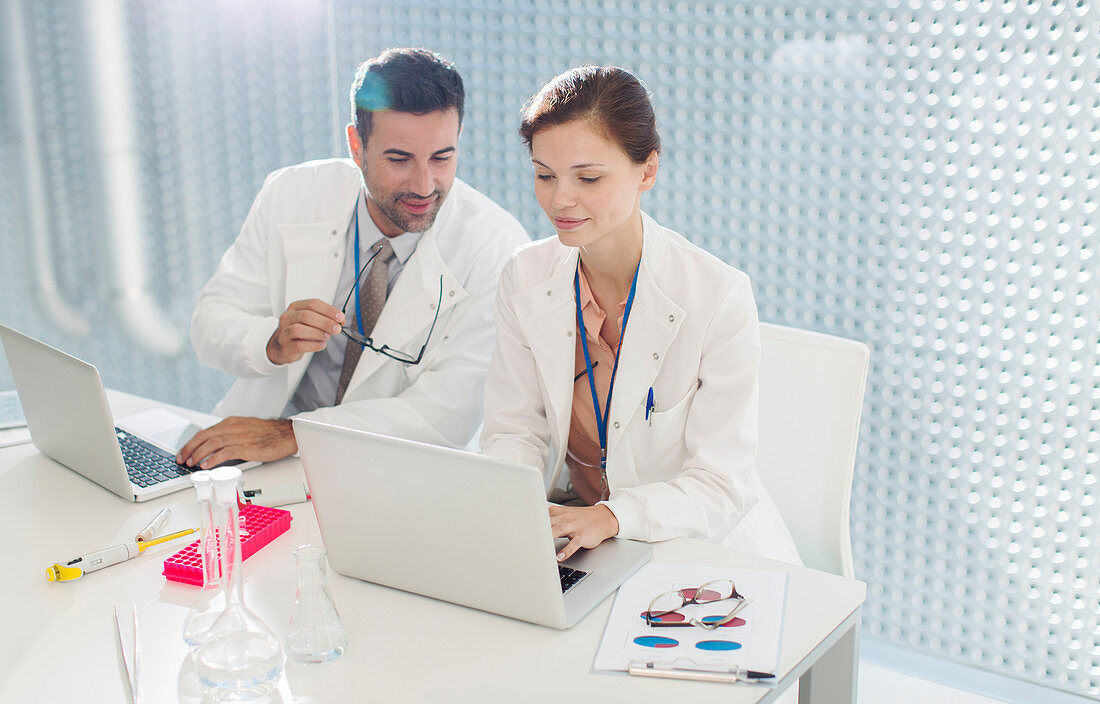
(438, 305)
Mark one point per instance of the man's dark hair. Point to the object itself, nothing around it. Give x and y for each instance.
(415, 81)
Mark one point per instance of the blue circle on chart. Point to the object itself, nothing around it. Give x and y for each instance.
(717, 645)
(656, 642)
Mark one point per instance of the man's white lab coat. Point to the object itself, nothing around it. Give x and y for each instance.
(292, 247)
(693, 337)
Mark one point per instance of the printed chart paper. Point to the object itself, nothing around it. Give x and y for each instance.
(750, 641)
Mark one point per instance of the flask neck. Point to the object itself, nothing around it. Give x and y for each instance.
(311, 573)
(311, 567)
(232, 582)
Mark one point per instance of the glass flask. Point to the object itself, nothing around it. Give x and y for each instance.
(316, 634)
(210, 601)
(239, 657)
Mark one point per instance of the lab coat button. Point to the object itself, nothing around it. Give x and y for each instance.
(549, 293)
(672, 318)
(656, 356)
(569, 333)
(334, 232)
(616, 424)
(451, 294)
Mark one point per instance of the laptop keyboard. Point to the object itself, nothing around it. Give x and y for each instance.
(569, 577)
(147, 464)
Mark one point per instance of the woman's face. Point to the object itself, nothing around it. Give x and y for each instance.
(588, 186)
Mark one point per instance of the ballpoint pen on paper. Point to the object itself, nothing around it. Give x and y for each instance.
(90, 562)
(690, 671)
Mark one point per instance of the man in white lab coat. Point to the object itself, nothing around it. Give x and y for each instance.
(274, 313)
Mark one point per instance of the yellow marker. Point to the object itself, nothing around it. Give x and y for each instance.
(78, 567)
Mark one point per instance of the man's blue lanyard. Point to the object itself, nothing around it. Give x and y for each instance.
(358, 275)
(601, 419)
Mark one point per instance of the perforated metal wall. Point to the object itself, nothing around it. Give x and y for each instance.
(919, 175)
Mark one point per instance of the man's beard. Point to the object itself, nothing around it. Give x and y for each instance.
(392, 209)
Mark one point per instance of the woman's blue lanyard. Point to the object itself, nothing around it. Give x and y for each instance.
(601, 419)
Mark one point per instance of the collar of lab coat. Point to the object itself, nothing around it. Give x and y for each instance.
(548, 316)
(315, 255)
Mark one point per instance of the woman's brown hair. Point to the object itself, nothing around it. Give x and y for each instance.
(609, 97)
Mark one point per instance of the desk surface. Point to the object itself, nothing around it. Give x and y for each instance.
(403, 647)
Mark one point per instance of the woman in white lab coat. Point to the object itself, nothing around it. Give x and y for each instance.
(643, 419)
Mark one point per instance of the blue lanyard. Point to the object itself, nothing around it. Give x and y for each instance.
(358, 306)
(359, 274)
(601, 419)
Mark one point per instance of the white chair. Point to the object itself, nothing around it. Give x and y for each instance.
(811, 396)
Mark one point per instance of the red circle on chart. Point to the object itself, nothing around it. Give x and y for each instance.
(737, 621)
(706, 595)
(673, 617)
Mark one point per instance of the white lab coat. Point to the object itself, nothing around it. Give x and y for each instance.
(693, 336)
(292, 247)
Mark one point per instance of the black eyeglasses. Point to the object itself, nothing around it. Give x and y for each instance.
(353, 334)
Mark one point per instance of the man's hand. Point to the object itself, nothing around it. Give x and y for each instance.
(585, 526)
(239, 439)
(305, 327)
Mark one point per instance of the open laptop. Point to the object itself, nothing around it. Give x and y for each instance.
(452, 525)
(70, 422)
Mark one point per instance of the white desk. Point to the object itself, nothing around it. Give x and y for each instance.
(59, 638)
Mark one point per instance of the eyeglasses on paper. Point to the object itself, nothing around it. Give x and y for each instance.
(664, 610)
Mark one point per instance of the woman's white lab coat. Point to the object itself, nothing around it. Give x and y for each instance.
(693, 337)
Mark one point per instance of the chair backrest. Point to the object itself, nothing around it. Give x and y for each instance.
(811, 397)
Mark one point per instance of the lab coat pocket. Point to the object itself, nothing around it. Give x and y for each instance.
(312, 263)
(665, 431)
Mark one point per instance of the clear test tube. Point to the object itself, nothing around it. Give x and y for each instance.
(154, 526)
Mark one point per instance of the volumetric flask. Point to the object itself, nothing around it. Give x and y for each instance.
(239, 657)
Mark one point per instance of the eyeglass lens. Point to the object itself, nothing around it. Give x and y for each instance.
(711, 591)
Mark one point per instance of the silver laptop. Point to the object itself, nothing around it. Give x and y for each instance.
(70, 422)
(474, 530)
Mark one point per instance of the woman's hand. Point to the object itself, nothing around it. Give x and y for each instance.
(585, 526)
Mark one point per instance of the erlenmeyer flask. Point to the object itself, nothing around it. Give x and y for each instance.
(239, 656)
(316, 634)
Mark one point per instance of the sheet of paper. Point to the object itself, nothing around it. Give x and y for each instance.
(164, 428)
(750, 641)
(14, 436)
(11, 412)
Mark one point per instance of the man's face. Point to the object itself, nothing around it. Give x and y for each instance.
(408, 165)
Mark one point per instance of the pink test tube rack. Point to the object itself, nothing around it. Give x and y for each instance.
(261, 525)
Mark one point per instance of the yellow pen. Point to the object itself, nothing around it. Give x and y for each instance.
(78, 567)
